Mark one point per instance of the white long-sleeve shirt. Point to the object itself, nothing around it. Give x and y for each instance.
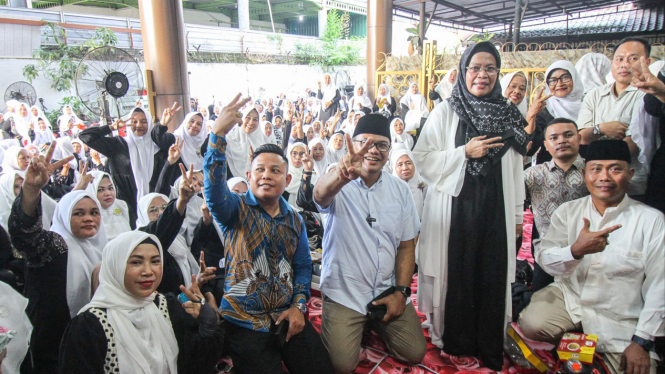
(619, 292)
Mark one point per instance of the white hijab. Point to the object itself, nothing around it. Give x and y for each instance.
(14, 318)
(404, 138)
(193, 213)
(413, 116)
(144, 338)
(40, 114)
(319, 166)
(359, 99)
(10, 161)
(272, 139)
(43, 137)
(505, 82)
(22, 123)
(414, 182)
(238, 143)
(179, 248)
(116, 217)
(82, 254)
(328, 90)
(333, 154)
(234, 181)
(409, 96)
(67, 116)
(296, 173)
(81, 154)
(592, 68)
(11, 104)
(386, 96)
(191, 148)
(445, 88)
(64, 149)
(569, 106)
(141, 156)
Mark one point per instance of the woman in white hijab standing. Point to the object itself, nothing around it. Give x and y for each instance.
(295, 153)
(147, 332)
(195, 137)
(136, 160)
(22, 122)
(329, 96)
(240, 139)
(445, 87)
(414, 106)
(513, 87)
(592, 69)
(59, 262)
(360, 101)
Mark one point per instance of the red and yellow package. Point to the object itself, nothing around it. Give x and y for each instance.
(577, 346)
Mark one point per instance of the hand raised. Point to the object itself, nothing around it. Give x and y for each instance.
(118, 124)
(350, 165)
(40, 169)
(193, 293)
(589, 242)
(307, 162)
(205, 212)
(84, 177)
(539, 103)
(206, 274)
(479, 146)
(168, 113)
(174, 151)
(229, 116)
(186, 183)
(647, 82)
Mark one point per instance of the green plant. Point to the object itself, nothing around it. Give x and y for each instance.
(333, 49)
(276, 39)
(74, 102)
(59, 63)
(484, 37)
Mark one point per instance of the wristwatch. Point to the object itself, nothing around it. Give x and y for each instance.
(406, 291)
(302, 307)
(648, 345)
(596, 130)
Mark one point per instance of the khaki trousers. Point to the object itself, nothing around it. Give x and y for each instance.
(546, 319)
(342, 329)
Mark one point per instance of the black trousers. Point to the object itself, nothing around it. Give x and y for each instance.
(255, 352)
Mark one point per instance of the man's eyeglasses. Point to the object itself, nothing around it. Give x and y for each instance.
(157, 209)
(381, 146)
(566, 78)
(490, 70)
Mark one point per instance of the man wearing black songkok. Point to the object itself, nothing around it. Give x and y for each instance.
(607, 254)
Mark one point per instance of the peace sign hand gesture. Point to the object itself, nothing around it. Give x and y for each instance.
(479, 146)
(174, 151)
(40, 169)
(539, 103)
(350, 165)
(193, 293)
(84, 178)
(647, 82)
(229, 116)
(118, 124)
(589, 242)
(186, 183)
(307, 162)
(168, 113)
(206, 274)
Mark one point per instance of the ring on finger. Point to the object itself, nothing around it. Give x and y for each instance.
(239, 114)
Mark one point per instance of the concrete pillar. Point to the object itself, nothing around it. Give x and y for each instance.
(379, 37)
(323, 21)
(165, 52)
(243, 14)
(18, 3)
(517, 22)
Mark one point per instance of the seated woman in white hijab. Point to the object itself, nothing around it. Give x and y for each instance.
(561, 98)
(36, 113)
(316, 126)
(514, 87)
(399, 135)
(43, 135)
(14, 319)
(384, 103)
(10, 106)
(16, 159)
(269, 133)
(592, 69)
(404, 168)
(11, 183)
(407, 100)
(336, 148)
(295, 153)
(21, 123)
(115, 214)
(64, 178)
(417, 112)
(59, 262)
(136, 160)
(329, 96)
(314, 166)
(69, 117)
(353, 120)
(79, 149)
(445, 88)
(360, 101)
(240, 139)
(129, 328)
(309, 133)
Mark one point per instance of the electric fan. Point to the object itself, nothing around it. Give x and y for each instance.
(109, 82)
(21, 91)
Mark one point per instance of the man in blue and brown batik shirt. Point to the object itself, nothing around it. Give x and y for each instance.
(268, 265)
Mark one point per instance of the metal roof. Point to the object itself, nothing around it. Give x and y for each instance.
(607, 21)
(481, 15)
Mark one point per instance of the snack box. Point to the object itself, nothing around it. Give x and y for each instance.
(577, 346)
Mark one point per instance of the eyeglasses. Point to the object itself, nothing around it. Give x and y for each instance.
(381, 146)
(490, 70)
(157, 209)
(566, 78)
(297, 154)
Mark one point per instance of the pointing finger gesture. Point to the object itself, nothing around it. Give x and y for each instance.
(589, 242)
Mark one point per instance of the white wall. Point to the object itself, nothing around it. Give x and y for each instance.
(221, 80)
